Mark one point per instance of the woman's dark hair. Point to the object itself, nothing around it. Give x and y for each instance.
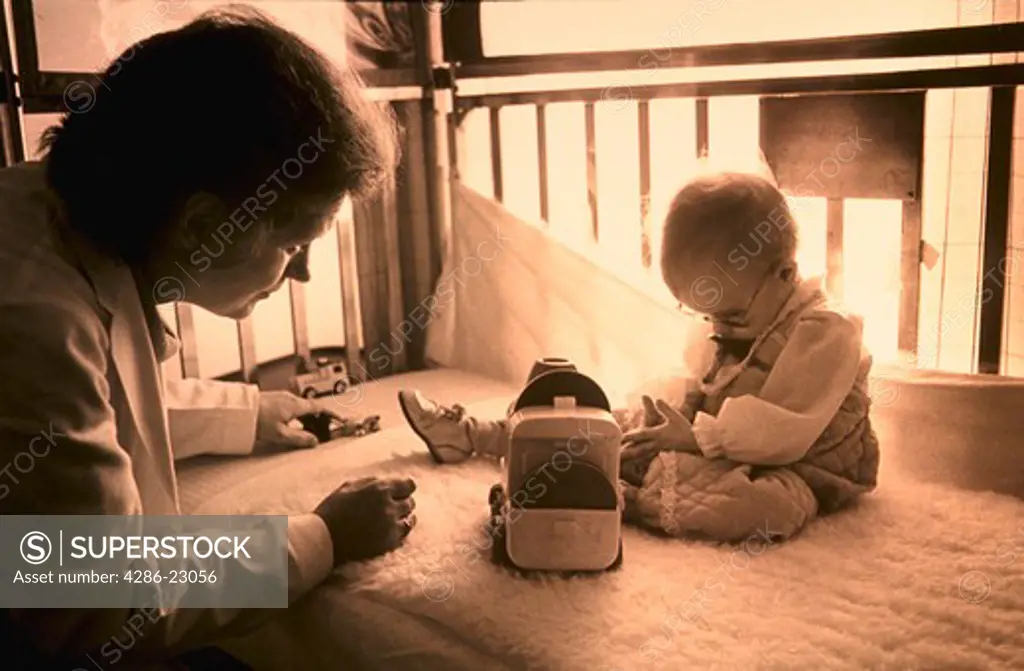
(221, 106)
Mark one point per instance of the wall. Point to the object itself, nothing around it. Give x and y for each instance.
(956, 147)
(85, 35)
(598, 25)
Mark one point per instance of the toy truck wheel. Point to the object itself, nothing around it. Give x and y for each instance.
(309, 392)
(340, 386)
(499, 550)
(496, 499)
(496, 525)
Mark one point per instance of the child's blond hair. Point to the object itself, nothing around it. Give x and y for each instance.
(742, 217)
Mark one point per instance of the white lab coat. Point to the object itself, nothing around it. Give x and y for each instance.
(80, 367)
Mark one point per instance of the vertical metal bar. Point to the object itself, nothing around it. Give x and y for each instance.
(300, 326)
(947, 181)
(910, 276)
(428, 34)
(10, 123)
(377, 256)
(996, 226)
(834, 248)
(590, 123)
(187, 336)
(703, 136)
(349, 272)
(542, 160)
(495, 118)
(643, 118)
(392, 270)
(455, 148)
(452, 122)
(247, 350)
(371, 251)
(373, 297)
(416, 231)
(26, 47)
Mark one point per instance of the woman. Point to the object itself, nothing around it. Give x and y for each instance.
(209, 159)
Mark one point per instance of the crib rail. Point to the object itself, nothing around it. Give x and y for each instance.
(628, 72)
(10, 133)
(44, 93)
(917, 80)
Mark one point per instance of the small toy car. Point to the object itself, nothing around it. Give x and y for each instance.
(327, 427)
(326, 378)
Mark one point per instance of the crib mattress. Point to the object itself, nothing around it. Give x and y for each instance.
(918, 576)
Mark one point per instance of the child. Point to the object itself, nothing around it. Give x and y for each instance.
(778, 430)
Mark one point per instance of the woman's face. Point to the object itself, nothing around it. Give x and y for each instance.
(228, 274)
(234, 291)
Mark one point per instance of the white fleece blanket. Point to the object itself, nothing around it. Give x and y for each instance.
(916, 577)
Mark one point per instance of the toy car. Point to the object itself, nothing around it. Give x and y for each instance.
(327, 427)
(327, 377)
(558, 507)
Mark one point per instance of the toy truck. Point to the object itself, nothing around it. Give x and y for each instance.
(571, 522)
(326, 378)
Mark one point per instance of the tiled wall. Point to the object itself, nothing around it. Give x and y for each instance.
(1013, 359)
(956, 146)
(955, 151)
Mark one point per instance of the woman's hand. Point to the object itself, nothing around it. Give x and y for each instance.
(277, 409)
(368, 517)
(665, 430)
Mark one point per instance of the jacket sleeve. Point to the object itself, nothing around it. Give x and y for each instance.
(805, 389)
(211, 417)
(61, 456)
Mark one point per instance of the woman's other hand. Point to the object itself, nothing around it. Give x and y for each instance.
(277, 410)
(369, 517)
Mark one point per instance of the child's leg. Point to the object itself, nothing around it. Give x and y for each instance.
(450, 434)
(686, 495)
(771, 507)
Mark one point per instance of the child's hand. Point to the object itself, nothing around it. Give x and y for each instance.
(666, 430)
(633, 467)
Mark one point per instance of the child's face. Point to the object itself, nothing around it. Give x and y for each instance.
(738, 303)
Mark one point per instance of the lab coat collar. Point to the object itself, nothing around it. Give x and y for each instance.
(165, 341)
(117, 290)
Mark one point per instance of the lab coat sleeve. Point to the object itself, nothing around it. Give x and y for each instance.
(211, 417)
(809, 382)
(60, 455)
